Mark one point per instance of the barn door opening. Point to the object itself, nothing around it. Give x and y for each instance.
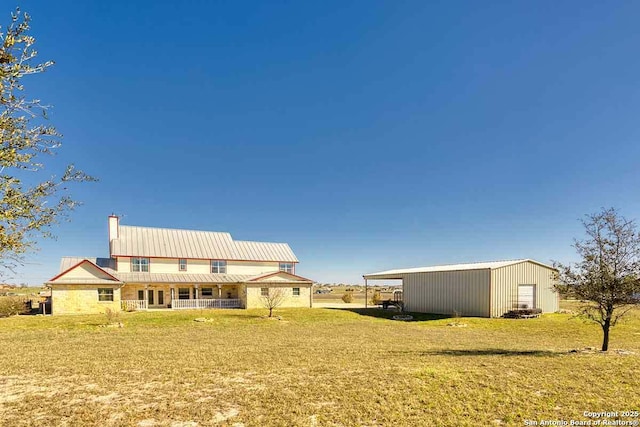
(526, 296)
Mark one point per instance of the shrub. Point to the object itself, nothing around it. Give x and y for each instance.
(10, 306)
(113, 316)
(347, 297)
(376, 298)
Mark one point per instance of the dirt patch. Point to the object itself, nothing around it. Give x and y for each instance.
(457, 325)
(224, 416)
(112, 325)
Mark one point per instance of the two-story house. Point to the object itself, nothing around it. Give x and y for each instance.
(162, 268)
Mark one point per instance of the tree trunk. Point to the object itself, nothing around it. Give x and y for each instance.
(605, 330)
(271, 311)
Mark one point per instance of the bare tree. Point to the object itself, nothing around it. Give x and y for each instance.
(607, 278)
(274, 299)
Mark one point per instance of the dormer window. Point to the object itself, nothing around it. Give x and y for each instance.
(287, 267)
(218, 266)
(140, 264)
(182, 264)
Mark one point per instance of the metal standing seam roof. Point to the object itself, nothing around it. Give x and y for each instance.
(177, 243)
(264, 251)
(491, 265)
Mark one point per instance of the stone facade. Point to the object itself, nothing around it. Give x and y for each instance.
(80, 299)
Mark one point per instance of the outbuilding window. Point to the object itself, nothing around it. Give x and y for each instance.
(264, 292)
(296, 292)
(105, 294)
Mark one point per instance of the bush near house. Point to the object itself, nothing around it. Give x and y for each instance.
(10, 306)
(376, 298)
(347, 297)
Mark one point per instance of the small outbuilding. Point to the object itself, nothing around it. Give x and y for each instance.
(483, 289)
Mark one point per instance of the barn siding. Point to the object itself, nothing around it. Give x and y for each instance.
(465, 292)
(504, 287)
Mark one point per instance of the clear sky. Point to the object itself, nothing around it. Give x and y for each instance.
(368, 135)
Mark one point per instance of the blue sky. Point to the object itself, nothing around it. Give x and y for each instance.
(368, 135)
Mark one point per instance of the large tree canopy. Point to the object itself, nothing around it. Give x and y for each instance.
(30, 203)
(607, 277)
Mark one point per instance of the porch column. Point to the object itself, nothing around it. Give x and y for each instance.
(173, 295)
(195, 294)
(219, 291)
(146, 296)
(365, 293)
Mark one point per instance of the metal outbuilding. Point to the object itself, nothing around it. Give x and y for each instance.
(484, 289)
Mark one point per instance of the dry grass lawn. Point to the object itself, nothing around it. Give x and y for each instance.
(316, 367)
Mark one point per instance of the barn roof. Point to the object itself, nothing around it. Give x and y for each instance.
(488, 265)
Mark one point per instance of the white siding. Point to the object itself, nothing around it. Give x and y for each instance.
(170, 265)
(252, 268)
(201, 266)
(465, 292)
(123, 265)
(504, 287)
(85, 271)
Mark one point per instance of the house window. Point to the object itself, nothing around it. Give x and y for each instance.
(287, 267)
(207, 292)
(140, 264)
(218, 266)
(264, 292)
(150, 296)
(182, 263)
(105, 294)
(141, 295)
(160, 297)
(183, 293)
(296, 292)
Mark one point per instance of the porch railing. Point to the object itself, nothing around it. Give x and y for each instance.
(134, 304)
(205, 303)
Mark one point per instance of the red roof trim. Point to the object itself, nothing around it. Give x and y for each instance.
(78, 265)
(255, 279)
(201, 259)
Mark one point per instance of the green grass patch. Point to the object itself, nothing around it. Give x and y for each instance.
(313, 367)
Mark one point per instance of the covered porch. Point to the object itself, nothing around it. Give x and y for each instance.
(180, 296)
